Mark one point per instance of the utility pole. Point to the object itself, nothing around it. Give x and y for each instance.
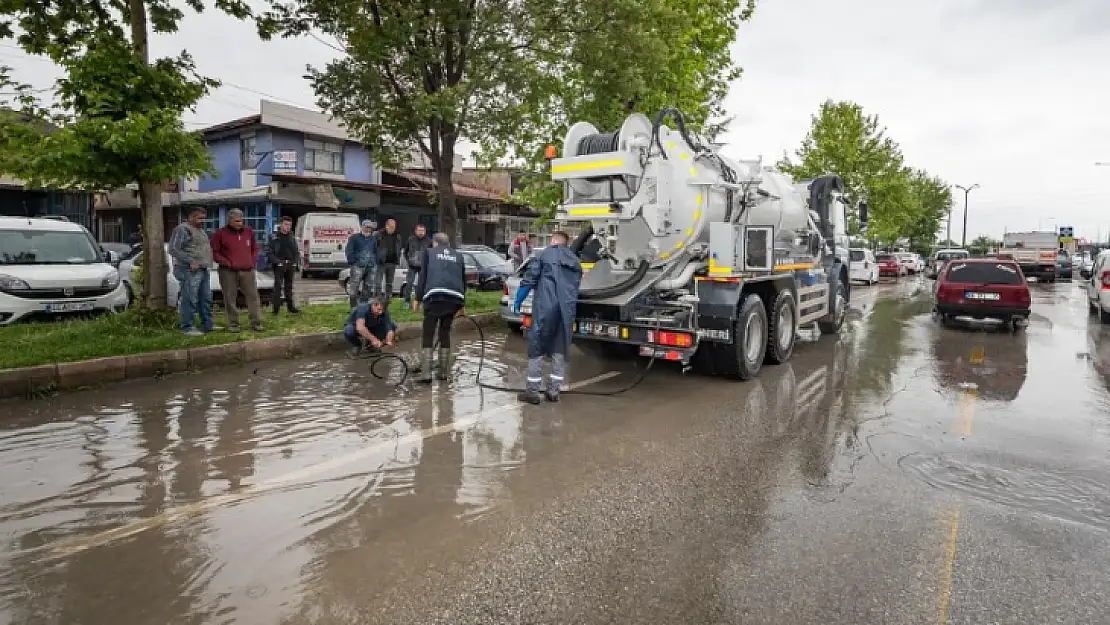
(966, 190)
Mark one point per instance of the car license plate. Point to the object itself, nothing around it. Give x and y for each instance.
(525, 309)
(590, 328)
(70, 307)
(982, 296)
(320, 255)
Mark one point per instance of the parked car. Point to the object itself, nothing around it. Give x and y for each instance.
(912, 262)
(1064, 267)
(129, 270)
(53, 267)
(1098, 287)
(493, 269)
(508, 294)
(983, 288)
(940, 257)
(890, 265)
(122, 251)
(400, 286)
(862, 266)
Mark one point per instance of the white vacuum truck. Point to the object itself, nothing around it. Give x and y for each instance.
(703, 260)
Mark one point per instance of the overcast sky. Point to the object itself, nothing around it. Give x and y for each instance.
(1010, 94)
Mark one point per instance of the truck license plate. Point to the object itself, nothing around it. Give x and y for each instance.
(70, 307)
(982, 296)
(590, 328)
(525, 309)
(320, 255)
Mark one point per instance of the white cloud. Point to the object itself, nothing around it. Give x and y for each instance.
(1011, 95)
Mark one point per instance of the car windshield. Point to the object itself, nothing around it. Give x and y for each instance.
(947, 256)
(983, 273)
(47, 247)
(856, 255)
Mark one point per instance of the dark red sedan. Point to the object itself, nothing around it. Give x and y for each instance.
(890, 265)
(983, 288)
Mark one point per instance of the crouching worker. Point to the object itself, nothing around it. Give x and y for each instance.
(441, 289)
(369, 325)
(553, 279)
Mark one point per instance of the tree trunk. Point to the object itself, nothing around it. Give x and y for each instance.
(154, 238)
(150, 193)
(445, 187)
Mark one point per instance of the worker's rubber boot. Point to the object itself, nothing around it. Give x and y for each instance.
(443, 367)
(426, 366)
(551, 395)
(530, 397)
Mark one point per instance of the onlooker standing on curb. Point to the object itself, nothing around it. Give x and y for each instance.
(362, 255)
(414, 255)
(235, 250)
(389, 254)
(519, 249)
(285, 259)
(192, 256)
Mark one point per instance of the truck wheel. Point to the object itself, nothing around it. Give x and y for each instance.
(831, 323)
(783, 331)
(750, 336)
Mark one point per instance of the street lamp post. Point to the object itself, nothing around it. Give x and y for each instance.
(966, 190)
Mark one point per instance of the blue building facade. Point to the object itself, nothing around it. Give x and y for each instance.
(286, 161)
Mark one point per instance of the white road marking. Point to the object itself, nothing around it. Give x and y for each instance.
(69, 547)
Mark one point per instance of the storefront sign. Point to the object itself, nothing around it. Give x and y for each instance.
(285, 161)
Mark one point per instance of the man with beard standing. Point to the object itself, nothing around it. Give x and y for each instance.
(389, 254)
(414, 256)
(235, 250)
(285, 259)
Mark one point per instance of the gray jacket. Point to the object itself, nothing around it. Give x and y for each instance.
(190, 245)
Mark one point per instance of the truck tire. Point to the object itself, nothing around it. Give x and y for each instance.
(838, 309)
(782, 329)
(744, 358)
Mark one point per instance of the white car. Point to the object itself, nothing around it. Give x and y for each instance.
(911, 261)
(1098, 287)
(129, 270)
(400, 287)
(50, 267)
(862, 266)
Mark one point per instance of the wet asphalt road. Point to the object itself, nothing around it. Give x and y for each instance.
(905, 474)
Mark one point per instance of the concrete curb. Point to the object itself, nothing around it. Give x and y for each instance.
(28, 382)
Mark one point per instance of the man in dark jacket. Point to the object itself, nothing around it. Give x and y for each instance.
(389, 254)
(415, 247)
(285, 259)
(235, 249)
(554, 276)
(442, 290)
(362, 256)
(369, 325)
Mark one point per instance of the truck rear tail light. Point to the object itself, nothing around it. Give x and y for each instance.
(672, 339)
(504, 289)
(1106, 280)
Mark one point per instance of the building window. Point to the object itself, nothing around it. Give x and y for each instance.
(326, 158)
(254, 216)
(248, 159)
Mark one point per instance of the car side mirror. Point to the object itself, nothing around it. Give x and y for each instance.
(111, 257)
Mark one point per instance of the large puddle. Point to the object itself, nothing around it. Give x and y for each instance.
(157, 476)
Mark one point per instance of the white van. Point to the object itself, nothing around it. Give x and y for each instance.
(52, 267)
(323, 240)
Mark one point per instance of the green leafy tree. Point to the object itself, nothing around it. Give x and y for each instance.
(845, 141)
(983, 244)
(676, 54)
(425, 73)
(933, 198)
(116, 118)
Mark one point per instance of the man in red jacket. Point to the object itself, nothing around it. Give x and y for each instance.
(234, 249)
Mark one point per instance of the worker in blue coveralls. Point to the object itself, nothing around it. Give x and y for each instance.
(553, 278)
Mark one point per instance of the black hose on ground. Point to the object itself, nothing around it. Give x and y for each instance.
(606, 393)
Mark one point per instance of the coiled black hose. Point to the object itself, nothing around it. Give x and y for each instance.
(599, 143)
